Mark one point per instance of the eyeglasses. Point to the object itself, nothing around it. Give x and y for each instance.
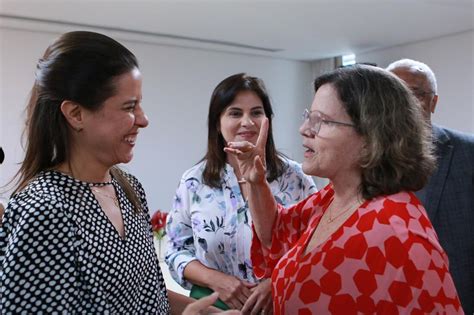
(316, 119)
(420, 94)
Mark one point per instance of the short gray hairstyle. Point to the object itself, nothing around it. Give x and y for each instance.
(419, 66)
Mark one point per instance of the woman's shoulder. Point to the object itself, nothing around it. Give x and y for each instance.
(402, 199)
(291, 167)
(135, 184)
(48, 186)
(403, 211)
(195, 172)
(293, 175)
(289, 162)
(400, 223)
(43, 196)
(132, 179)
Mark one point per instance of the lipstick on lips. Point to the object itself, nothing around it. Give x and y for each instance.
(247, 134)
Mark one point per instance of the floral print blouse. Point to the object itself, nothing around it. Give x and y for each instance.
(214, 226)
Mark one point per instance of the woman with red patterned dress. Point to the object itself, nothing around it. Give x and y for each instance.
(364, 244)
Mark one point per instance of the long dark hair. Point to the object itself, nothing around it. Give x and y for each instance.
(80, 67)
(223, 95)
(398, 154)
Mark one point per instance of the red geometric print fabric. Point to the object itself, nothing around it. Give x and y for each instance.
(384, 259)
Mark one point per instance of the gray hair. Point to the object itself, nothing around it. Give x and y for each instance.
(416, 65)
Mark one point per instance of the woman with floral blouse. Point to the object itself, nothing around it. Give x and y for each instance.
(210, 226)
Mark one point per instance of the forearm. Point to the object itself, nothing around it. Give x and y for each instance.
(263, 208)
(196, 273)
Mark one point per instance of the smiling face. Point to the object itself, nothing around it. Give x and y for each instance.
(242, 119)
(109, 133)
(336, 149)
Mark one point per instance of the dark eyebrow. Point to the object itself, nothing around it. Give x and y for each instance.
(131, 102)
(233, 108)
(253, 108)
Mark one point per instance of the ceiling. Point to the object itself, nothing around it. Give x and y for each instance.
(291, 29)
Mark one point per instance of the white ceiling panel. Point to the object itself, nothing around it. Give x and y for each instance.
(292, 29)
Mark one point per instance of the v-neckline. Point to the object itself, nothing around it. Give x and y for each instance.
(314, 225)
(109, 222)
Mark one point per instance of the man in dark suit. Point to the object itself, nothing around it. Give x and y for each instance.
(449, 195)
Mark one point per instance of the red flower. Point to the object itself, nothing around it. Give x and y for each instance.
(158, 223)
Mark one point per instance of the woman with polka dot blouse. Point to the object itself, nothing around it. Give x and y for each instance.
(364, 244)
(76, 236)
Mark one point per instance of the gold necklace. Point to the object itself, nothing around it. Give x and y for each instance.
(353, 206)
(113, 198)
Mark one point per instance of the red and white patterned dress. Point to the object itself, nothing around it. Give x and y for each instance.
(384, 259)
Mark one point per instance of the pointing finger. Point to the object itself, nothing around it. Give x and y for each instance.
(263, 134)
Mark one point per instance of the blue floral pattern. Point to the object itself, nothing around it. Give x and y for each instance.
(213, 225)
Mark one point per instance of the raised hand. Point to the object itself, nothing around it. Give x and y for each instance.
(251, 157)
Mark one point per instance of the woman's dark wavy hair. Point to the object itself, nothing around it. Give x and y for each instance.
(223, 95)
(398, 151)
(80, 67)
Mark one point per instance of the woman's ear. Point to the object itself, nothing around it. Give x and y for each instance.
(73, 112)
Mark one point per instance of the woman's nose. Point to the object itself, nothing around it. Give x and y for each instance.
(141, 120)
(247, 121)
(305, 130)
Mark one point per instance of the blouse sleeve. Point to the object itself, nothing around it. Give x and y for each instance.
(180, 249)
(38, 271)
(289, 225)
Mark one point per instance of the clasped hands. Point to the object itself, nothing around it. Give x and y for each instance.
(253, 299)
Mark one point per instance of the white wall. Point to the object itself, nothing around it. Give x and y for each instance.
(452, 60)
(178, 83)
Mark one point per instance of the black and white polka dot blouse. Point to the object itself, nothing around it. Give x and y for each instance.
(60, 253)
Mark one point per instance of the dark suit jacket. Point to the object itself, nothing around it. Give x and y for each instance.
(449, 200)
